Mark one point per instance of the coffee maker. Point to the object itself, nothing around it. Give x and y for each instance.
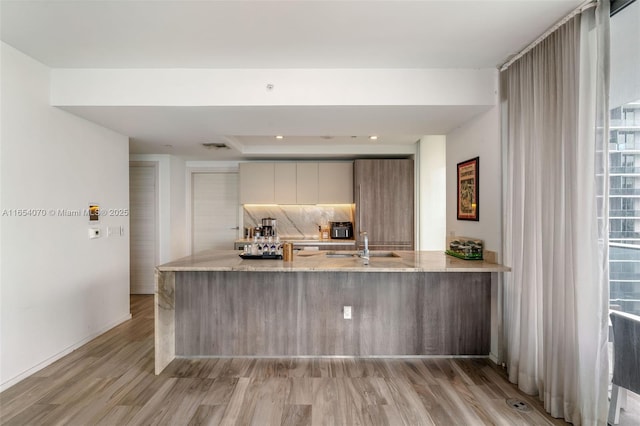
(269, 227)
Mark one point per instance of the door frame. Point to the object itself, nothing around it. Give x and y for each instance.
(189, 198)
(156, 246)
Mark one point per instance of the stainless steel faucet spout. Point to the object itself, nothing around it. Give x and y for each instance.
(365, 252)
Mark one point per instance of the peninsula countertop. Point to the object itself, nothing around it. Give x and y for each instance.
(317, 261)
(309, 241)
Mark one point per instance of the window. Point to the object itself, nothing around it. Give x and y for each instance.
(615, 160)
(629, 116)
(630, 140)
(627, 203)
(615, 204)
(628, 225)
(628, 182)
(624, 148)
(614, 181)
(616, 114)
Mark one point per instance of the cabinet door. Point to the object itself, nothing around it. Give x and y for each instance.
(307, 183)
(256, 183)
(365, 190)
(384, 201)
(398, 202)
(335, 183)
(285, 178)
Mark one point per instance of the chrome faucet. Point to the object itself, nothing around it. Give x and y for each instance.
(365, 253)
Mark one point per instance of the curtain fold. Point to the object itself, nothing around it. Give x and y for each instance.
(556, 297)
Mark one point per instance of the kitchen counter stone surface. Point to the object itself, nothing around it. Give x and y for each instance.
(407, 261)
(309, 241)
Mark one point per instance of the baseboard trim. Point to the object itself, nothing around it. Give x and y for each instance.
(407, 357)
(20, 377)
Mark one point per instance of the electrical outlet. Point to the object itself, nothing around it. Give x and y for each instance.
(347, 312)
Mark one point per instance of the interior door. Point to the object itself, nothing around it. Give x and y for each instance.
(143, 206)
(214, 209)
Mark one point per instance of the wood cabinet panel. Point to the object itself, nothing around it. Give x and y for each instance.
(392, 247)
(325, 246)
(335, 183)
(307, 183)
(257, 183)
(285, 183)
(384, 197)
(300, 313)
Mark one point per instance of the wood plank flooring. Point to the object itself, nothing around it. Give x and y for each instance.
(110, 381)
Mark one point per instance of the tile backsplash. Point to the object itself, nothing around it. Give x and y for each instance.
(298, 221)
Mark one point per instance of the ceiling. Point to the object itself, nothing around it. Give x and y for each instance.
(275, 34)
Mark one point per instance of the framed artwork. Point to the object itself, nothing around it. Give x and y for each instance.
(94, 212)
(468, 189)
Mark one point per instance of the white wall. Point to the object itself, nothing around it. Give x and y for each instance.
(480, 137)
(432, 198)
(58, 289)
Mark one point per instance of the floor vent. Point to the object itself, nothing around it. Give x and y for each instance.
(516, 404)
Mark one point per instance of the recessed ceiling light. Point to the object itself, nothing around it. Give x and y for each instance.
(373, 138)
(279, 137)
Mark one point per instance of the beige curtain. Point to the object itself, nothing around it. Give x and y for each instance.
(556, 297)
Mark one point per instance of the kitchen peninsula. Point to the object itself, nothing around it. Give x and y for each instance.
(402, 303)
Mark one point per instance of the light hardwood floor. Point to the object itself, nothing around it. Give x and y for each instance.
(110, 381)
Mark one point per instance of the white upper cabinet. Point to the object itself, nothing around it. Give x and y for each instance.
(307, 183)
(285, 181)
(335, 183)
(296, 183)
(257, 183)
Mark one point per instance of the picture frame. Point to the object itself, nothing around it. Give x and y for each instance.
(468, 199)
(94, 212)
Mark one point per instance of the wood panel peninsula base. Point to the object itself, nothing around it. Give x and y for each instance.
(417, 303)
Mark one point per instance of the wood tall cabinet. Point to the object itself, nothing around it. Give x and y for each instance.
(383, 192)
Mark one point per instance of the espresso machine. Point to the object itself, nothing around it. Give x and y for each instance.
(269, 227)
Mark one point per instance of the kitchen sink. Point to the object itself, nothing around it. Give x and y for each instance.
(349, 254)
(340, 254)
(383, 254)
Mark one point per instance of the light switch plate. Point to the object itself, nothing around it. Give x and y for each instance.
(94, 233)
(347, 312)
